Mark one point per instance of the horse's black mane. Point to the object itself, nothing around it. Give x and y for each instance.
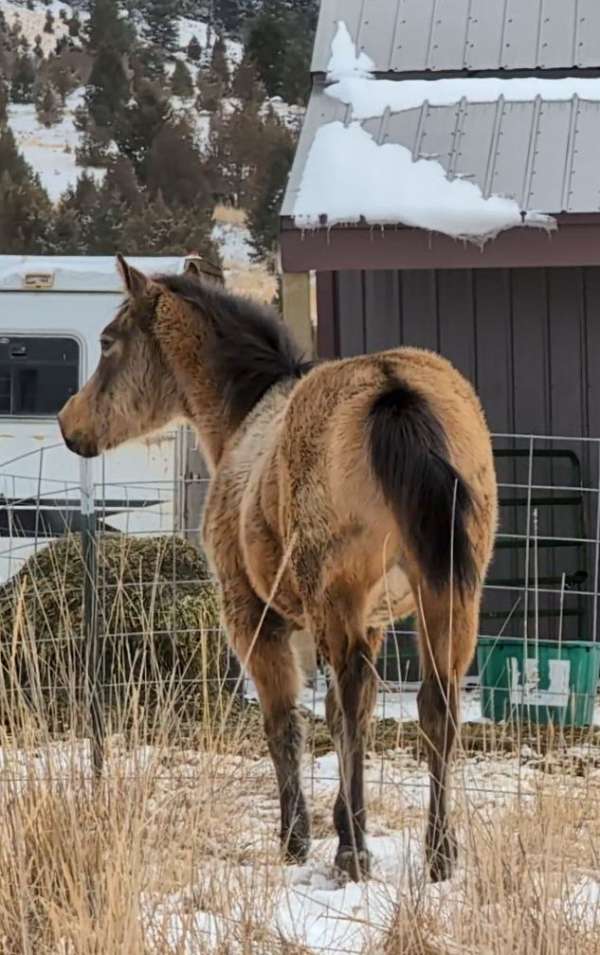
(253, 349)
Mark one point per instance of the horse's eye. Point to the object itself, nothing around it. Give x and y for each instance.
(106, 345)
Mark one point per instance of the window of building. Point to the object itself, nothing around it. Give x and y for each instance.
(37, 375)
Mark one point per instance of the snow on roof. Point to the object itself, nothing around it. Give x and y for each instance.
(383, 185)
(354, 167)
(368, 97)
(78, 273)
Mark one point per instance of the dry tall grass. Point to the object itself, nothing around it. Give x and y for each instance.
(174, 850)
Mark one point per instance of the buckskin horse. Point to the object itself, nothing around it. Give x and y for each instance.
(343, 496)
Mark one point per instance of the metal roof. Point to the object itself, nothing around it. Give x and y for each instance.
(543, 154)
(436, 35)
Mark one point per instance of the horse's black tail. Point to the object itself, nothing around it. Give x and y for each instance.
(410, 460)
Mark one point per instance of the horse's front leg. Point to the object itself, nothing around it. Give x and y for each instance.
(265, 650)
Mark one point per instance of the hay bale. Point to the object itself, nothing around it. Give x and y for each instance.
(158, 620)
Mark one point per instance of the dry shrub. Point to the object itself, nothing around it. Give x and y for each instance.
(158, 621)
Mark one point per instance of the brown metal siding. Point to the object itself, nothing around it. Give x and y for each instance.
(528, 339)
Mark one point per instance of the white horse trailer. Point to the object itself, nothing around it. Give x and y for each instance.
(52, 311)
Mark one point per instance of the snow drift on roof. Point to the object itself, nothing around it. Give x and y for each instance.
(349, 177)
(345, 61)
(369, 97)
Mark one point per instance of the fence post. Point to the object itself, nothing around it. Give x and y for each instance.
(89, 545)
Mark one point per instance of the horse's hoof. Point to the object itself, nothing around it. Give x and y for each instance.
(442, 857)
(356, 864)
(295, 848)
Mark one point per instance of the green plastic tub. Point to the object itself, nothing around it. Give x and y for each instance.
(560, 680)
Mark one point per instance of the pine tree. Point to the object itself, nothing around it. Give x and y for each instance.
(230, 14)
(121, 180)
(194, 50)
(236, 151)
(211, 91)
(181, 81)
(48, 105)
(266, 47)
(107, 89)
(218, 61)
(3, 102)
(269, 187)
(106, 28)
(161, 24)
(159, 230)
(49, 24)
(25, 210)
(74, 25)
(15, 30)
(176, 169)
(139, 123)
(22, 80)
(246, 84)
(94, 146)
(280, 44)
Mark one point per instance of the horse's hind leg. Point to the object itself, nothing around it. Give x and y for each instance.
(349, 705)
(447, 636)
(272, 665)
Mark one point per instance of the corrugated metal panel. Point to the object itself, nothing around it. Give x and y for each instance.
(484, 35)
(436, 139)
(549, 163)
(449, 33)
(558, 28)
(584, 189)
(423, 35)
(412, 34)
(543, 154)
(587, 37)
(475, 145)
(520, 38)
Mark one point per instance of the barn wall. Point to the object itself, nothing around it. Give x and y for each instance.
(529, 340)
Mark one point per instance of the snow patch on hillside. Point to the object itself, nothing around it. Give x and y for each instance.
(50, 152)
(233, 242)
(206, 38)
(32, 21)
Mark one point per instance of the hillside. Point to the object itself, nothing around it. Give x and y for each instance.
(128, 126)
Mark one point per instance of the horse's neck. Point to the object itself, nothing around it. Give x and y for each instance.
(184, 346)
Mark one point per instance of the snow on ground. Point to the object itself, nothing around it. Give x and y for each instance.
(206, 38)
(32, 21)
(50, 152)
(308, 905)
(233, 242)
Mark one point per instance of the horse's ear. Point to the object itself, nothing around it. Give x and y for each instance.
(136, 283)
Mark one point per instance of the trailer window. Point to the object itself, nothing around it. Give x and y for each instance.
(37, 375)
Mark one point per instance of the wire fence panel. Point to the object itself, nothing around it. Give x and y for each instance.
(108, 607)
